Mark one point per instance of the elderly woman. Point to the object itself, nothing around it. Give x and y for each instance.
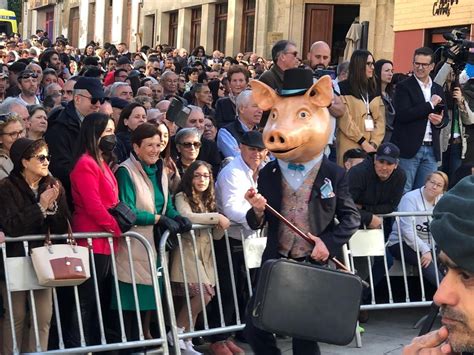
(143, 186)
(188, 145)
(11, 128)
(33, 202)
(422, 199)
(37, 123)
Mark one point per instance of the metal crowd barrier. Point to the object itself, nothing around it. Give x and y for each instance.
(207, 331)
(160, 342)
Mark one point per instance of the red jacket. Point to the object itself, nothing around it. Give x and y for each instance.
(94, 191)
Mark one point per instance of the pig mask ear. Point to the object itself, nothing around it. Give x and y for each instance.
(321, 93)
(263, 95)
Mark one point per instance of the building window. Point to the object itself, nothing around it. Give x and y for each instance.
(220, 29)
(195, 28)
(173, 29)
(248, 26)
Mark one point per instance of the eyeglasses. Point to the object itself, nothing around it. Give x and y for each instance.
(435, 184)
(201, 176)
(208, 126)
(295, 53)
(221, 88)
(189, 145)
(94, 100)
(370, 64)
(43, 157)
(14, 135)
(422, 65)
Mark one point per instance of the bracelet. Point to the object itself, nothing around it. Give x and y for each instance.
(51, 212)
(43, 211)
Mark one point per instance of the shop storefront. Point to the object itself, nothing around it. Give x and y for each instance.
(423, 23)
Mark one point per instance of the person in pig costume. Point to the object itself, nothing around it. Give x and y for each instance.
(301, 183)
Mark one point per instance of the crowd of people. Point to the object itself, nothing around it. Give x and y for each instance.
(81, 131)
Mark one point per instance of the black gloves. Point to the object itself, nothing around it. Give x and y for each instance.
(168, 224)
(185, 224)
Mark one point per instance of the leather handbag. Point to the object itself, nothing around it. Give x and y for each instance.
(124, 216)
(61, 264)
(307, 301)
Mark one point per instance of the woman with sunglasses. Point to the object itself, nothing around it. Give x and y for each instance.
(11, 128)
(217, 90)
(188, 145)
(94, 191)
(363, 124)
(33, 202)
(132, 116)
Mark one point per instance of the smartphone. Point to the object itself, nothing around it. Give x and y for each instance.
(439, 108)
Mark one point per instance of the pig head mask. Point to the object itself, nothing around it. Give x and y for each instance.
(298, 127)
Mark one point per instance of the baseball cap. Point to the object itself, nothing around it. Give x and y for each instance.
(388, 152)
(123, 60)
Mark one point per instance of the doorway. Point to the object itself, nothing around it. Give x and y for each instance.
(329, 23)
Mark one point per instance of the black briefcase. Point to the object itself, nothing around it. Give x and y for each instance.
(306, 301)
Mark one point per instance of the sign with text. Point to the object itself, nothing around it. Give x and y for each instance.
(443, 7)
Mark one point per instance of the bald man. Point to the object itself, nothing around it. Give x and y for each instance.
(319, 57)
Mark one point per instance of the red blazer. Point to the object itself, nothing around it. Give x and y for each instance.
(94, 191)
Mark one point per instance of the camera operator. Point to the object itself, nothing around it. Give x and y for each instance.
(319, 58)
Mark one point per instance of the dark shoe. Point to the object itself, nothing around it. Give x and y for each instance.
(363, 316)
(198, 341)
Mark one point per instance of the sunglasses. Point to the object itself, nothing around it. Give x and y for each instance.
(28, 75)
(94, 100)
(43, 157)
(189, 145)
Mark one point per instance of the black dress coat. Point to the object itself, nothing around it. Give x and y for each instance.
(322, 212)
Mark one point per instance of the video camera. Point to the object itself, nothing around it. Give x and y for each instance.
(457, 37)
(319, 73)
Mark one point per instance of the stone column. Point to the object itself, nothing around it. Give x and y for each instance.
(234, 27)
(208, 19)
(163, 27)
(184, 29)
(83, 23)
(135, 12)
(99, 26)
(117, 21)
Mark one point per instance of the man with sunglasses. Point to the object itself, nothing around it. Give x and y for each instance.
(418, 120)
(452, 228)
(28, 84)
(284, 56)
(63, 132)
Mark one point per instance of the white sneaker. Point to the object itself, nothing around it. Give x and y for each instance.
(182, 345)
(190, 348)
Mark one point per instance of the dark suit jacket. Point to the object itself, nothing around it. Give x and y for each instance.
(321, 211)
(411, 115)
(225, 112)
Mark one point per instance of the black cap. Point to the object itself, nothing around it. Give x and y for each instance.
(296, 81)
(92, 85)
(388, 152)
(123, 60)
(17, 67)
(17, 151)
(118, 102)
(252, 139)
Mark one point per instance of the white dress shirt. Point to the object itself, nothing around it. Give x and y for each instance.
(426, 89)
(232, 184)
(296, 178)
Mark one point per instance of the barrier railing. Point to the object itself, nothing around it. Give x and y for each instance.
(222, 326)
(231, 250)
(13, 286)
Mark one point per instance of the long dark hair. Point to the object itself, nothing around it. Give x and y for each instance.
(196, 51)
(125, 114)
(378, 77)
(205, 202)
(214, 87)
(91, 129)
(359, 84)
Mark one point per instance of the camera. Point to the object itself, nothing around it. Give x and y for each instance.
(319, 73)
(178, 112)
(457, 37)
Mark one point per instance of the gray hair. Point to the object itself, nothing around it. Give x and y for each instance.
(186, 132)
(195, 109)
(167, 74)
(8, 103)
(281, 47)
(243, 99)
(111, 90)
(343, 68)
(50, 87)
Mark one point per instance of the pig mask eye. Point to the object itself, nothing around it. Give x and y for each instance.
(273, 115)
(303, 115)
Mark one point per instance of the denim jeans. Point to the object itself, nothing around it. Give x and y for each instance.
(418, 167)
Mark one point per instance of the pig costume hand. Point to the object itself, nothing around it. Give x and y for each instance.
(298, 127)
